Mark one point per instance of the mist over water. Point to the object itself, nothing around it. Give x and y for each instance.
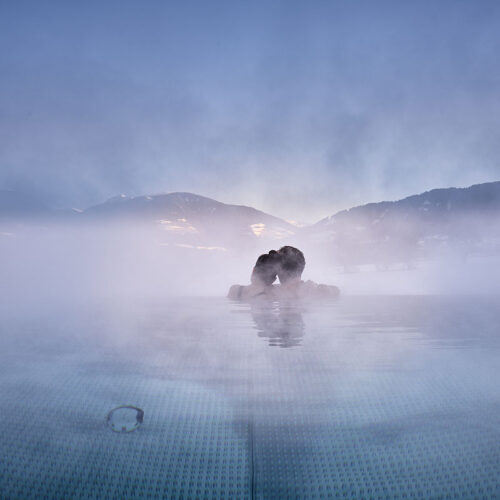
(389, 390)
(389, 394)
(53, 262)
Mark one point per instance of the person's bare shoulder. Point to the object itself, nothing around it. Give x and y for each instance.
(310, 289)
(235, 292)
(328, 290)
(248, 292)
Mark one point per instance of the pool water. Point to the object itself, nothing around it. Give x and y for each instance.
(362, 397)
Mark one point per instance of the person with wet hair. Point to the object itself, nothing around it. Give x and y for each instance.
(263, 276)
(266, 269)
(287, 264)
(292, 264)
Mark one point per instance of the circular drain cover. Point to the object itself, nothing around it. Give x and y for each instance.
(125, 418)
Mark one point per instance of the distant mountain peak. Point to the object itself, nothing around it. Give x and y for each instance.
(486, 195)
(418, 226)
(192, 215)
(117, 199)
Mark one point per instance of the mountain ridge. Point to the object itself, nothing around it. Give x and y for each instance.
(463, 221)
(432, 193)
(415, 227)
(16, 202)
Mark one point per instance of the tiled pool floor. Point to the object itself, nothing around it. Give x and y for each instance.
(365, 397)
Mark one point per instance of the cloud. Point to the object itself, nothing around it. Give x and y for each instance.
(301, 110)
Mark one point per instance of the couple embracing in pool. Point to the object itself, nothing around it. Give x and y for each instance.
(286, 264)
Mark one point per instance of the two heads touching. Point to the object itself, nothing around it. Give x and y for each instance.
(287, 265)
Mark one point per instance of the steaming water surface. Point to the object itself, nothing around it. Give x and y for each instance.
(365, 397)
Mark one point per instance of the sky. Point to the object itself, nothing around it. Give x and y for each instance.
(299, 109)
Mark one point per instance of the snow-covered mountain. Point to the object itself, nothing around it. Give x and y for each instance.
(466, 220)
(479, 197)
(191, 219)
(462, 220)
(187, 206)
(179, 219)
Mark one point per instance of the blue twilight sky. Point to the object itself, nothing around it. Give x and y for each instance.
(296, 108)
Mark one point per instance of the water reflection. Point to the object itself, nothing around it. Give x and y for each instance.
(280, 322)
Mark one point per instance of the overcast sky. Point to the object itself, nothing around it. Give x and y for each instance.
(297, 108)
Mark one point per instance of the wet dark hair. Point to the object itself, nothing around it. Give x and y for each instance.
(292, 263)
(266, 268)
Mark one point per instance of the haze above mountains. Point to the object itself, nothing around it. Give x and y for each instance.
(467, 219)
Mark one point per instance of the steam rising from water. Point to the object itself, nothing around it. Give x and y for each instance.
(54, 263)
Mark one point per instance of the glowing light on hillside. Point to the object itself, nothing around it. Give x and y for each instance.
(258, 229)
(179, 226)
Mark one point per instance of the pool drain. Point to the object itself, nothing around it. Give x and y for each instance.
(125, 418)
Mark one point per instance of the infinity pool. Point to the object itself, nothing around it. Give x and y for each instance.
(364, 397)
